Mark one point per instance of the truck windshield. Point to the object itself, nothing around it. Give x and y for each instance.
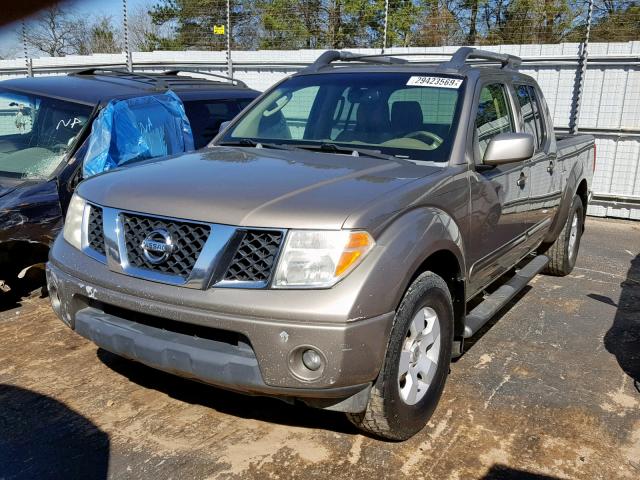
(407, 115)
(36, 132)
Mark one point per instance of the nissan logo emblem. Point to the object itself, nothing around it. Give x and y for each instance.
(157, 246)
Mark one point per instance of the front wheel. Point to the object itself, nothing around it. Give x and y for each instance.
(416, 365)
(564, 251)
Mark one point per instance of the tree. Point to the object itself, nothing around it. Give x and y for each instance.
(192, 22)
(281, 29)
(143, 32)
(621, 24)
(527, 21)
(54, 32)
(473, 6)
(442, 24)
(103, 36)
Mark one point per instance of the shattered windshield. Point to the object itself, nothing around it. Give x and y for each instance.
(36, 132)
(405, 115)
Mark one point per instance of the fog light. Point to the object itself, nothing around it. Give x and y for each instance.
(311, 360)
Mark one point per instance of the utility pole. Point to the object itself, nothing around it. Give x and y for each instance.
(125, 24)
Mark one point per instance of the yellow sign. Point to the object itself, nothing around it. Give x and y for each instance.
(218, 29)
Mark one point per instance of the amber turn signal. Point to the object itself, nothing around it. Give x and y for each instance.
(358, 245)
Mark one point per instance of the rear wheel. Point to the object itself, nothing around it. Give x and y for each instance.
(416, 365)
(564, 251)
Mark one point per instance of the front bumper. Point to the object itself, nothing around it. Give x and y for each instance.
(248, 353)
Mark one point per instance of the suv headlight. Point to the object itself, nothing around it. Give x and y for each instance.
(318, 259)
(72, 231)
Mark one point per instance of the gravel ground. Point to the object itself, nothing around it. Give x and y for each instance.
(546, 391)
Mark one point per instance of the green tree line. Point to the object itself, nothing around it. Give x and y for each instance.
(293, 24)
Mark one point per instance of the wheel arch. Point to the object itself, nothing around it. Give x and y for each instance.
(445, 264)
(576, 185)
(430, 240)
(583, 193)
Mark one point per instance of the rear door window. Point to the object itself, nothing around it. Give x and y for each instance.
(494, 115)
(526, 109)
(537, 116)
(531, 114)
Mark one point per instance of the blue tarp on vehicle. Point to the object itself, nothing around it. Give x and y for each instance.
(137, 129)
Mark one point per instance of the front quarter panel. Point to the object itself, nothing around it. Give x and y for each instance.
(31, 213)
(402, 249)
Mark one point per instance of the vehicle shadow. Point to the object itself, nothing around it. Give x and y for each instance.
(502, 472)
(42, 438)
(265, 409)
(623, 338)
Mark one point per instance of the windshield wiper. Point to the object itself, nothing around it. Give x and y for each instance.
(247, 142)
(356, 152)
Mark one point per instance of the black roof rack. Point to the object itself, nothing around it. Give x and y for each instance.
(331, 56)
(157, 83)
(160, 81)
(458, 59)
(233, 81)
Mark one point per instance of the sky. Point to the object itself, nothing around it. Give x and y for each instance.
(10, 41)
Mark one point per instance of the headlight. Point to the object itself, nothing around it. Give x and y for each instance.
(72, 231)
(320, 258)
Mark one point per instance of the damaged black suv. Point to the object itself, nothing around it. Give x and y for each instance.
(45, 131)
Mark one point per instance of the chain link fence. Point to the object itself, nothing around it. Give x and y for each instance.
(251, 25)
(590, 87)
(324, 24)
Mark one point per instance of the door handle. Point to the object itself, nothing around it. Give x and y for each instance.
(550, 167)
(522, 180)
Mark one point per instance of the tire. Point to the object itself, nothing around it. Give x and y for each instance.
(564, 251)
(395, 410)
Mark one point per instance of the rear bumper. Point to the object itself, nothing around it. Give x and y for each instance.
(260, 359)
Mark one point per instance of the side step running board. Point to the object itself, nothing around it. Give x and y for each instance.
(494, 302)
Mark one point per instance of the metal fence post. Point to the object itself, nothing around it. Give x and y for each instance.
(229, 61)
(27, 60)
(386, 25)
(580, 75)
(125, 26)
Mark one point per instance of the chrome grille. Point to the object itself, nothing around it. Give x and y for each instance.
(254, 259)
(188, 238)
(95, 230)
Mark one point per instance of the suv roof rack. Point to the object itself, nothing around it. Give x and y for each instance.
(331, 56)
(458, 59)
(233, 81)
(159, 81)
(157, 84)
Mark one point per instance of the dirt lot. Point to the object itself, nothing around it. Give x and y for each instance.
(546, 392)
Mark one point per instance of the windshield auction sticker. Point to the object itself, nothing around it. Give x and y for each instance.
(442, 82)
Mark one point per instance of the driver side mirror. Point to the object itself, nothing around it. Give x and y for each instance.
(508, 147)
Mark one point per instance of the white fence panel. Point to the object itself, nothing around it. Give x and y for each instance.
(610, 106)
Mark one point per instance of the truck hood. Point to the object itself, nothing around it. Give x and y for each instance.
(253, 187)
